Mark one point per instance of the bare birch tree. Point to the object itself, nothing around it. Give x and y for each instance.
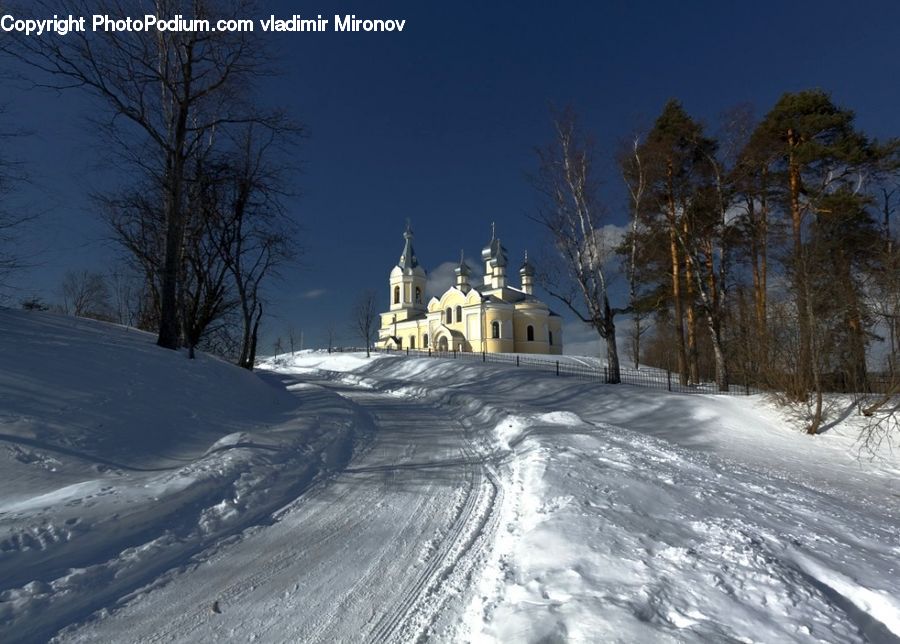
(572, 214)
(634, 173)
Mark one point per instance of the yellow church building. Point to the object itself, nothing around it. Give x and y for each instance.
(495, 317)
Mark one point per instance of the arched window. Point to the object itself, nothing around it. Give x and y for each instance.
(418, 295)
(425, 341)
(396, 295)
(495, 329)
(530, 332)
(412, 342)
(399, 343)
(459, 314)
(449, 315)
(550, 335)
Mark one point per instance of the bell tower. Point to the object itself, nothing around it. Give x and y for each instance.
(407, 281)
(495, 260)
(526, 273)
(462, 274)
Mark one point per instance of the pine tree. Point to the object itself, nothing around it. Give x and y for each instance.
(678, 158)
(811, 150)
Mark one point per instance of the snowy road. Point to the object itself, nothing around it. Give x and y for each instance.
(378, 553)
(342, 498)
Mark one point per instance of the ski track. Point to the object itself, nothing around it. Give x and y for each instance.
(418, 481)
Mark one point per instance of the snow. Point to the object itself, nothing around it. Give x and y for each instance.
(121, 460)
(334, 497)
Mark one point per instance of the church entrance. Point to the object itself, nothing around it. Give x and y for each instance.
(442, 344)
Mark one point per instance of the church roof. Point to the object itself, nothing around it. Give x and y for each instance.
(408, 259)
(527, 268)
(463, 268)
(494, 251)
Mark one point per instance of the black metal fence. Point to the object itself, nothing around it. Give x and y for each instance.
(650, 377)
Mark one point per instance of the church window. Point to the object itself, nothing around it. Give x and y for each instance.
(459, 314)
(551, 337)
(530, 332)
(495, 329)
(418, 295)
(412, 342)
(396, 295)
(425, 340)
(449, 315)
(399, 343)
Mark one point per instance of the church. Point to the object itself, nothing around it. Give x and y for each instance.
(494, 317)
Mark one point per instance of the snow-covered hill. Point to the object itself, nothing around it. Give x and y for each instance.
(121, 460)
(146, 497)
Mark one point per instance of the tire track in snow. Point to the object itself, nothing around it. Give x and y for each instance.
(422, 600)
(417, 482)
(392, 621)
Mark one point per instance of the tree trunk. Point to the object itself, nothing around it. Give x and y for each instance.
(636, 340)
(712, 313)
(676, 283)
(804, 359)
(612, 351)
(719, 356)
(692, 355)
(254, 336)
(758, 241)
(762, 315)
(168, 314)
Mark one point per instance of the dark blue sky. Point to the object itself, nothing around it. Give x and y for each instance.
(438, 123)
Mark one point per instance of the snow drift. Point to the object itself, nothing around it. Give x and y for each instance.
(121, 460)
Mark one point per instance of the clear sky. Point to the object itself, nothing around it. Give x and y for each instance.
(438, 123)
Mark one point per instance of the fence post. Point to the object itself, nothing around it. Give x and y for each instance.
(605, 375)
(454, 354)
(669, 378)
(483, 357)
(517, 361)
(407, 352)
(557, 367)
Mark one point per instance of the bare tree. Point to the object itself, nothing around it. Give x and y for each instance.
(11, 222)
(572, 215)
(125, 292)
(641, 303)
(204, 287)
(254, 235)
(165, 91)
(883, 284)
(365, 316)
(331, 333)
(86, 294)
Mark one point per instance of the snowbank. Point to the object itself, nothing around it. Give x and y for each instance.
(636, 515)
(121, 460)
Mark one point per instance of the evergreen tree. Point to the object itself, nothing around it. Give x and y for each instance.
(811, 151)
